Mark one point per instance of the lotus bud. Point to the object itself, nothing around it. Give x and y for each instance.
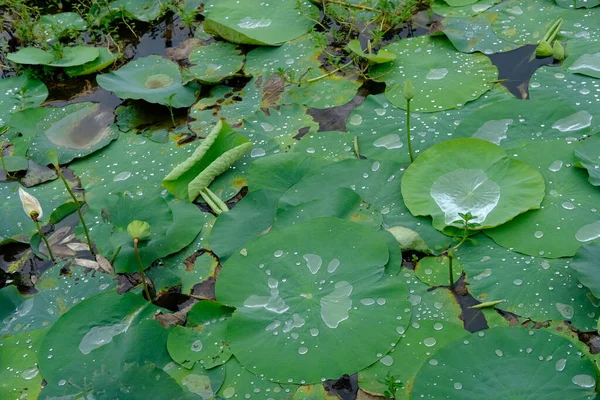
(139, 229)
(409, 91)
(544, 49)
(559, 51)
(31, 205)
(52, 156)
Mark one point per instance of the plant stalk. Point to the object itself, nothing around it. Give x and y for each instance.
(85, 229)
(39, 229)
(451, 271)
(410, 150)
(139, 260)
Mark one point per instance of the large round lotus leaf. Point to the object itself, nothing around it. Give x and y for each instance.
(470, 175)
(442, 77)
(141, 10)
(258, 22)
(578, 3)
(203, 338)
(585, 264)
(55, 26)
(580, 91)
(197, 383)
(587, 155)
(99, 346)
(242, 384)
(173, 226)
(20, 377)
(533, 287)
(305, 290)
(440, 7)
(404, 361)
(514, 123)
(568, 216)
(506, 363)
(474, 34)
(75, 131)
(526, 21)
(215, 62)
(18, 93)
(152, 78)
(70, 57)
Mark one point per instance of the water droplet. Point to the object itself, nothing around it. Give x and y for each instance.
(387, 360)
(560, 364)
(30, 373)
(458, 385)
(375, 166)
(381, 301)
(584, 380)
(588, 232)
(438, 326)
(493, 131)
(565, 310)
(574, 122)
(266, 126)
(257, 152)
(335, 305)
(63, 382)
(567, 205)
(313, 262)
(556, 166)
(278, 253)
(367, 301)
(314, 332)
(539, 234)
(120, 177)
(437, 73)
(196, 345)
(229, 392)
(400, 330)
(518, 282)
(333, 265)
(356, 119)
(499, 353)
(391, 141)
(302, 350)
(429, 342)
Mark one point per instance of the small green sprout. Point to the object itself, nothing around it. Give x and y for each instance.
(392, 385)
(140, 230)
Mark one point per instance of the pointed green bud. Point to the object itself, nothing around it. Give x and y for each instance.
(543, 50)
(52, 156)
(409, 92)
(139, 229)
(559, 51)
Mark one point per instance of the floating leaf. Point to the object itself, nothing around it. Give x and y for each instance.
(197, 383)
(475, 34)
(221, 148)
(18, 93)
(442, 77)
(240, 382)
(141, 10)
(568, 216)
(153, 79)
(578, 3)
(585, 265)
(440, 7)
(52, 27)
(257, 22)
(587, 155)
(215, 62)
(20, 376)
(485, 362)
(104, 59)
(70, 57)
(380, 57)
(315, 289)
(470, 175)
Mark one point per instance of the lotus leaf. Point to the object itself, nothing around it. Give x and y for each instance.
(578, 3)
(434, 270)
(299, 314)
(443, 78)
(585, 264)
(215, 62)
(459, 3)
(241, 383)
(587, 155)
(202, 340)
(104, 59)
(440, 7)
(568, 216)
(329, 145)
(486, 362)
(52, 27)
(100, 349)
(153, 79)
(470, 175)
(70, 57)
(221, 148)
(141, 10)
(75, 130)
(20, 376)
(533, 287)
(475, 34)
(587, 64)
(257, 22)
(18, 93)
(380, 57)
(197, 383)
(419, 342)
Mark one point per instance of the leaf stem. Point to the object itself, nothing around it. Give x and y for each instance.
(356, 149)
(85, 229)
(451, 271)
(410, 149)
(139, 260)
(39, 230)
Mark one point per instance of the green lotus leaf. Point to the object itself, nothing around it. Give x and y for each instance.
(197, 382)
(475, 34)
(329, 145)
(202, 340)
(55, 26)
(96, 347)
(440, 7)
(587, 64)
(587, 155)
(484, 363)
(18, 93)
(75, 131)
(257, 22)
(240, 382)
(215, 62)
(70, 57)
(470, 175)
(221, 148)
(578, 3)
(568, 216)
(174, 225)
(380, 57)
(305, 290)
(442, 77)
(533, 287)
(141, 10)
(404, 361)
(585, 264)
(153, 79)
(20, 376)
(459, 3)
(434, 270)
(104, 59)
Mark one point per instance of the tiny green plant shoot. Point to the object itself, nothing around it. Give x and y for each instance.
(53, 157)
(33, 208)
(467, 227)
(214, 201)
(409, 94)
(545, 47)
(140, 231)
(392, 385)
